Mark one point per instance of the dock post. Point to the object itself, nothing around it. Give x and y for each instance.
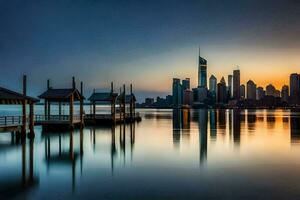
(31, 120)
(59, 110)
(23, 132)
(47, 103)
(124, 103)
(71, 110)
(48, 109)
(81, 104)
(94, 108)
(120, 106)
(112, 104)
(131, 104)
(45, 109)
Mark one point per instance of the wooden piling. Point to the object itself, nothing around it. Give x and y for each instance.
(81, 104)
(23, 132)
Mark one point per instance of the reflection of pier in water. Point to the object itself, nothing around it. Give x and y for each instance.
(13, 187)
(63, 158)
(115, 149)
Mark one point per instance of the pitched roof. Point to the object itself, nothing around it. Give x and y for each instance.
(102, 96)
(10, 97)
(61, 94)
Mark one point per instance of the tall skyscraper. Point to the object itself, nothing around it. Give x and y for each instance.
(271, 91)
(242, 91)
(222, 91)
(295, 88)
(177, 93)
(251, 90)
(260, 93)
(285, 93)
(202, 72)
(186, 84)
(236, 85)
(230, 85)
(213, 84)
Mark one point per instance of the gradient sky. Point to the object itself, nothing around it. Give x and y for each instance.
(146, 43)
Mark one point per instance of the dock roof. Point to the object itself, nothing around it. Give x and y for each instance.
(11, 97)
(61, 94)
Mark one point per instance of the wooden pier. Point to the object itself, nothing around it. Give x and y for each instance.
(117, 114)
(122, 109)
(18, 123)
(60, 122)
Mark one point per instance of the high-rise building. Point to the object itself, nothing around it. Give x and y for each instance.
(149, 101)
(260, 93)
(242, 91)
(186, 84)
(230, 83)
(295, 88)
(236, 85)
(222, 91)
(285, 93)
(177, 93)
(187, 97)
(212, 84)
(271, 91)
(200, 94)
(251, 90)
(202, 72)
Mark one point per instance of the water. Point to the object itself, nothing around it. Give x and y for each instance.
(208, 154)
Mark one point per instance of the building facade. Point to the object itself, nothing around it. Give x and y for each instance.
(242, 91)
(285, 93)
(222, 92)
(229, 87)
(202, 72)
(177, 93)
(294, 88)
(251, 90)
(236, 85)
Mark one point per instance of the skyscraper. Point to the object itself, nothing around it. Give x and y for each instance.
(202, 72)
(213, 84)
(177, 93)
(294, 88)
(186, 83)
(251, 90)
(260, 93)
(222, 91)
(285, 93)
(236, 85)
(271, 91)
(242, 91)
(229, 85)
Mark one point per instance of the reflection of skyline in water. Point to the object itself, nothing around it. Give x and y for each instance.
(78, 160)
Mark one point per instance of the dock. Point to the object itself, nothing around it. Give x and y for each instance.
(118, 104)
(60, 122)
(122, 109)
(18, 123)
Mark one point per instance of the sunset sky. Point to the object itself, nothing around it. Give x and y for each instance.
(146, 43)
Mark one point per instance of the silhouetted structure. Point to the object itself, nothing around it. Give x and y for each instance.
(17, 123)
(102, 98)
(59, 122)
(236, 85)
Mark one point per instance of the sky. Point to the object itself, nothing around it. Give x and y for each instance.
(146, 43)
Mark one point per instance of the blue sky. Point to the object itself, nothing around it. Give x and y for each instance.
(146, 43)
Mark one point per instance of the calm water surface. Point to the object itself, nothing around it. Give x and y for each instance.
(209, 154)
